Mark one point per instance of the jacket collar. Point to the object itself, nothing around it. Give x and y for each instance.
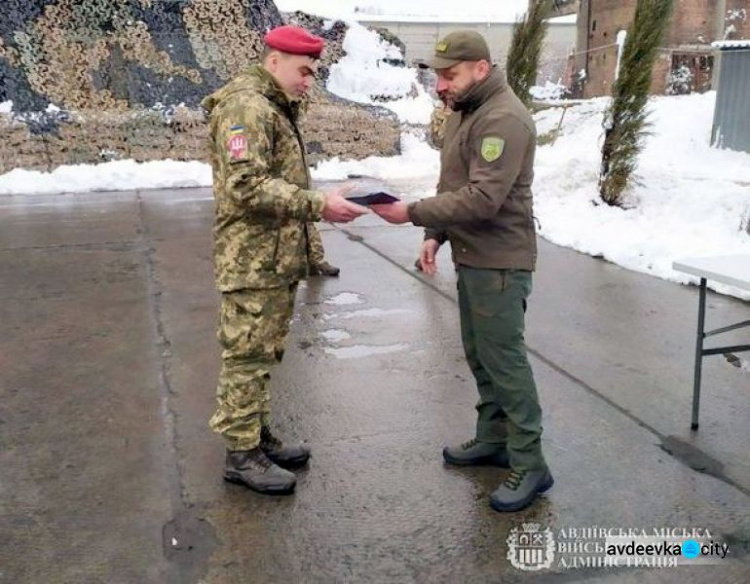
(267, 85)
(494, 83)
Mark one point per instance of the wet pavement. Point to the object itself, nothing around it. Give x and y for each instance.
(108, 364)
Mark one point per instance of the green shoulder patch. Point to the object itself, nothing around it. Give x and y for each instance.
(492, 148)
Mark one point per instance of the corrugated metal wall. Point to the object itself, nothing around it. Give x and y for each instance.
(732, 114)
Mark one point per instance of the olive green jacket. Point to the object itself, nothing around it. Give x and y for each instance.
(484, 203)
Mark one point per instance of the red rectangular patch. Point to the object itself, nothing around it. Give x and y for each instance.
(237, 146)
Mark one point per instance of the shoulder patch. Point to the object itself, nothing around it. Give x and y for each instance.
(237, 143)
(492, 148)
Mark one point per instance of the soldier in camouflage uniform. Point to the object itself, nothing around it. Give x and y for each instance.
(318, 264)
(264, 206)
(438, 120)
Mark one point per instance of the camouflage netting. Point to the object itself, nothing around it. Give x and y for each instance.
(111, 65)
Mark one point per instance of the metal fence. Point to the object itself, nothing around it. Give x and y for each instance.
(732, 114)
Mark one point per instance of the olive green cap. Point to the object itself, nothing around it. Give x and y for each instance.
(459, 46)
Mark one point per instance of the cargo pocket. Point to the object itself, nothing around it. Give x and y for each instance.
(271, 258)
(488, 289)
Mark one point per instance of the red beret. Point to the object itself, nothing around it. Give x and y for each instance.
(295, 40)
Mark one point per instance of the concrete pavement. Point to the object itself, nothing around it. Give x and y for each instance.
(108, 365)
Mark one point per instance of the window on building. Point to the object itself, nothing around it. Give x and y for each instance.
(689, 73)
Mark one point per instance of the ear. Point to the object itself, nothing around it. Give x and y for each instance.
(272, 61)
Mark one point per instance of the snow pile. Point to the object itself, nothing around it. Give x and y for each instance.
(118, 175)
(693, 200)
(365, 75)
(548, 92)
(363, 72)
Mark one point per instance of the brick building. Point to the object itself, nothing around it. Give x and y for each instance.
(686, 61)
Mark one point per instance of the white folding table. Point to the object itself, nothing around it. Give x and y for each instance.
(733, 270)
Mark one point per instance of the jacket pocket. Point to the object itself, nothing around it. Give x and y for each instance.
(265, 246)
(290, 251)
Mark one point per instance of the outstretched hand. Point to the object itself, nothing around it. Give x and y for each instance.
(338, 210)
(393, 213)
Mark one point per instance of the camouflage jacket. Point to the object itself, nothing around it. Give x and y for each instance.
(438, 121)
(261, 185)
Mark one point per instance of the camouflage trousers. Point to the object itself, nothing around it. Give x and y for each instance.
(317, 253)
(253, 326)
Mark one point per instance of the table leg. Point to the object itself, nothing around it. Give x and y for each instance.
(699, 355)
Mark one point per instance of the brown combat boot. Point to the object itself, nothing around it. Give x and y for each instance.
(253, 469)
(292, 456)
(324, 269)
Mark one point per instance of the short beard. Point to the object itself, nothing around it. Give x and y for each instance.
(451, 101)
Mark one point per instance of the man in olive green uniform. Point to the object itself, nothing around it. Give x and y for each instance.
(435, 135)
(264, 205)
(484, 208)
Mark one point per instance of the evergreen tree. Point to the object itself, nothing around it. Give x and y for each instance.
(625, 119)
(526, 48)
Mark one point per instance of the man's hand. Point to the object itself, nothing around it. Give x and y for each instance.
(393, 212)
(427, 256)
(338, 210)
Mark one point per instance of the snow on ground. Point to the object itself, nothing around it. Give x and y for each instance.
(548, 92)
(119, 175)
(693, 200)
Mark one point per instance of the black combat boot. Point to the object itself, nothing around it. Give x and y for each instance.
(253, 469)
(292, 456)
(324, 269)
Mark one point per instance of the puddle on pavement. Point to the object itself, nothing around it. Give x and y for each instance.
(359, 351)
(692, 456)
(366, 313)
(345, 299)
(335, 335)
